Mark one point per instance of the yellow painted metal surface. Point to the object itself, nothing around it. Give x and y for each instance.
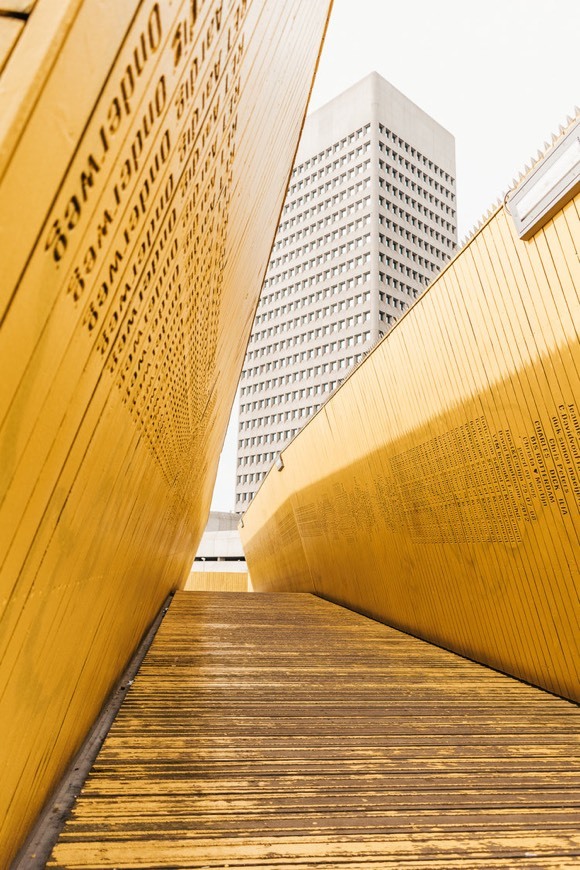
(21, 8)
(217, 581)
(282, 731)
(145, 149)
(10, 30)
(439, 488)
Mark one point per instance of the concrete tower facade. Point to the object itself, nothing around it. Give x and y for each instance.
(369, 219)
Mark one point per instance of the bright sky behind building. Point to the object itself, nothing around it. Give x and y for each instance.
(500, 75)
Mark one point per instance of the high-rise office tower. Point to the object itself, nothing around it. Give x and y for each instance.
(369, 219)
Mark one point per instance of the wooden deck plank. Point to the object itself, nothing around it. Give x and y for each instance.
(283, 731)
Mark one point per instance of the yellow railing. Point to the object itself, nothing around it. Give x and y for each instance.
(145, 151)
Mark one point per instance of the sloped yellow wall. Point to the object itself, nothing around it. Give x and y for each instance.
(217, 581)
(439, 488)
(145, 150)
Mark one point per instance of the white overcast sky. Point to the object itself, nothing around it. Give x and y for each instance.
(500, 75)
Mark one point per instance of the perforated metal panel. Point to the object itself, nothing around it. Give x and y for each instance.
(145, 148)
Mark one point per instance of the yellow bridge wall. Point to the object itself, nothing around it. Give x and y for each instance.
(217, 581)
(438, 490)
(145, 150)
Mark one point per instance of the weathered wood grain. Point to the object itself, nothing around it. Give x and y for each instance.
(283, 731)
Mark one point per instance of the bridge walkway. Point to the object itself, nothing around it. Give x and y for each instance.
(283, 731)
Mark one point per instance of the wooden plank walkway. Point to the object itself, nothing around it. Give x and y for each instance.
(282, 731)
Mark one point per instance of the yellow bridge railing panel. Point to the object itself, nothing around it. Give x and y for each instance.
(145, 150)
(438, 489)
(217, 581)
